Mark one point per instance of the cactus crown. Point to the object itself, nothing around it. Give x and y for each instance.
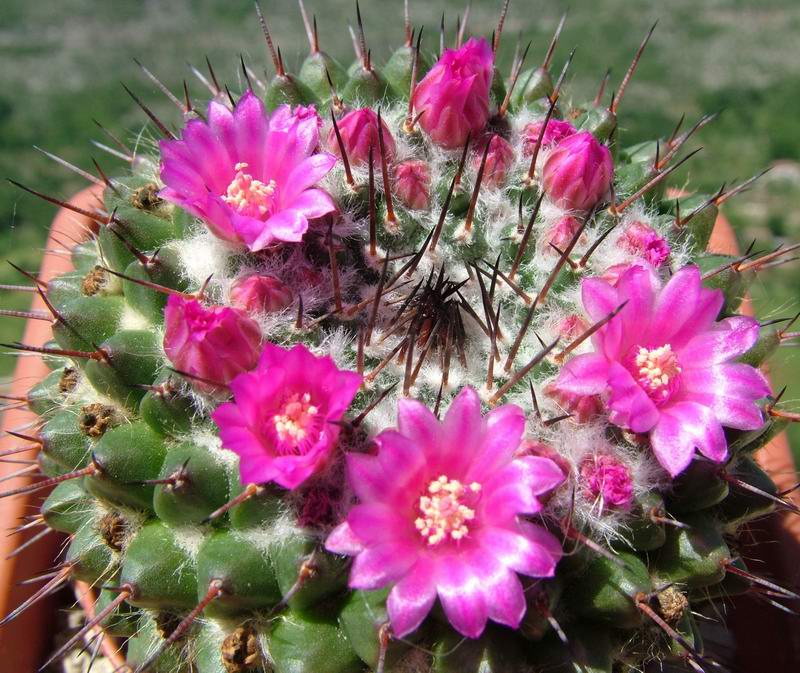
(424, 316)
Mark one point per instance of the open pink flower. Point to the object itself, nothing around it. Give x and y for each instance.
(249, 176)
(666, 366)
(211, 342)
(281, 420)
(439, 514)
(454, 95)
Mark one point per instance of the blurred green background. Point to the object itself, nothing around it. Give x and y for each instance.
(63, 61)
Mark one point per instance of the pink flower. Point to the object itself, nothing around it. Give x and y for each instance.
(454, 95)
(259, 293)
(499, 160)
(249, 176)
(412, 184)
(578, 172)
(281, 422)
(440, 514)
(642, 240)
(666, 366)
(555, 132)
(607, 478)
(211, 342)
(359, 132)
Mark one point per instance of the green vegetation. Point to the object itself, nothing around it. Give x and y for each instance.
(62, 64)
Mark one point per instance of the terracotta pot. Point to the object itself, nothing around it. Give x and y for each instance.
(25, 640)
(767, 639)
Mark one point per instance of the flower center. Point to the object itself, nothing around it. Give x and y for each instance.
(658, 371)
(249, 196)
(295, 416)
(444, 511)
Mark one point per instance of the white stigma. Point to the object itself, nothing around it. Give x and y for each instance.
(248, 195)
(443, 512)
(657, 369)
(296, 415)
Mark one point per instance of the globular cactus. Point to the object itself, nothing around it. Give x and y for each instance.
(404, 369)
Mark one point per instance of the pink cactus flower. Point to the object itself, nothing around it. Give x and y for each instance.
(211, 342)
(642, 240)
(454, 95)
(359, 132)
(666, 367)
(412, 184)
(578, 172)
(250, 177)
(440, 514)
(261, 293)
(555, 132)
(281, 421)
(606, 478)
(499, 160)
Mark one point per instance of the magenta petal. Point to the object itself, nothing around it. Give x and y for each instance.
(730, 390)
(462, 596)
(677, 303)
(251, 124)
(287, 225)
(515, 549)
(585, 374)
(312, 204)
(461, 432)
(709, 304)
(599, 298)
(342, 540)
(378, 523)
(307, 174)
(503, 428)
(505, 596)
(631, 406)
(411, 599)
(417, 422)
(681, 428)
(730, 338)
(381, 564)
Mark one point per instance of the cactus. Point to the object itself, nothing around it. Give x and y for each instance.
(403, 370)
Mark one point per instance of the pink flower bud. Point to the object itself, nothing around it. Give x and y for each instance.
(562, 232)
(578, 172)
(260, 294)
(606, 477)
(210, 342)
(530, 447)
(572, 327)
(412, 184)
(642, 240)
(359, 131)
(454, 95)
(555, 132)
(499, 160)
(582, 407)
